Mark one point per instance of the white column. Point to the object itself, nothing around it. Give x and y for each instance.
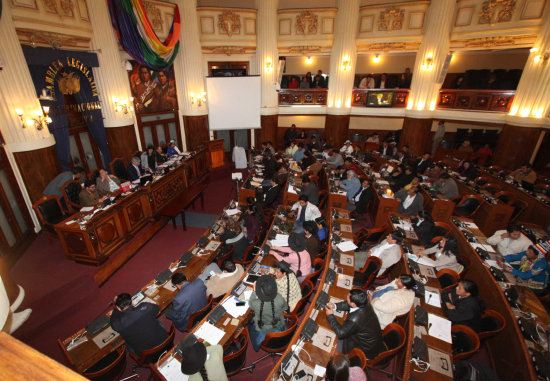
(267, 55)
(188, 64)
(430, 58)
(343, 58)
(531, 104)
(111, 76)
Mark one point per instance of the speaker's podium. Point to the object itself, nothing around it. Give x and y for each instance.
(216, 149)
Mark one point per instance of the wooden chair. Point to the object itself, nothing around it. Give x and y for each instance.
(109, 367)
(196, 317)
(318, 265)
(369, 236)
(469, 205)
(445, 226)
(519, 207)
(492, 322)
(234, 362)
(71, 191)
(323, 196)
(394, 337)
(314, 178)
(491, 188)
(448, 279)
(357, 358)
(366, 276)
(217, 300)
(482, 181)
(542, 188)
(505, 197)
(93, 175)
(495, 168)
(276, 342)
(307, 290)
(149, 357)
(49, 212)
(465, 342)
(118, 168)
(464, 261)
(226, 256)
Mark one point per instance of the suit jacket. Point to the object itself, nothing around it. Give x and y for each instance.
(421, 167)
(467, 310)
(88, 199)
(366, 196)
(190, 299)
(103, 186)
(54, 186)
(133, 174)
(413, 209)
(312, 193)
(219, 285)
(270, 196)
(139, 327)
(424, 231)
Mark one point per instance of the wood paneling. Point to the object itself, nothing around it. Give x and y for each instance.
(336, 129)
(37, 168)
(515, 146)
(196, 131)
(416, 133)
(122, 142)
(269, 129)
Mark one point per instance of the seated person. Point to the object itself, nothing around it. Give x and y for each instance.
(291, 149)
(340, 173)
(267, 318)
(424, 163)
(361, 199)
(295, 255)
(423, 226)
(231, 233)
(314, 145)
(435, 172)
(349, 165)
(524, 173)
(172, 150)
(287, 285)
(402, 180)
(466, 147)
(89, 196)
(361, 328)
(270, 166)
(106, 183)
(466, 169)
(347, 148)
(220, 283)
(190, 298)
(313, 244)
(351, 184)
(203, 363)
(357, 154)
(510, 241)
(386, 149)
(374, 138)
(400, 158)
(339, 368)
(266, 197)
(54, 186)
(445, 253)
(388, 251)
(462, 305)
(410, 201)
(270, 148)
(149, 159)
(335, 159)
(253, 219)
(322, 233)
(304, 211)
(299, 154)
(532, 268)
(160, 156)
(315, 167)
(138, 326)
(446, 186)
(393, 299)
(310, 190)
(307, 160)
(301, 135)
(135, 170)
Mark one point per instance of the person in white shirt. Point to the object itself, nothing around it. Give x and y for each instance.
(388, 251)
(347, 148)
(375, 138)
(393, 299)
(304, 211)
(510, 241)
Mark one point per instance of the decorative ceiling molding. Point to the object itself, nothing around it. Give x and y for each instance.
(391, 19)
(389, 46)
(228, 50)
(506, 9)
(306, 23)
(229, 23)
(494, 42)
(304, 49)
(52, 40)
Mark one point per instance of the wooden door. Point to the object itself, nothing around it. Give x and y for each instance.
(157, 129)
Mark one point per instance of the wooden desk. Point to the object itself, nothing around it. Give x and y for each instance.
(440, 208)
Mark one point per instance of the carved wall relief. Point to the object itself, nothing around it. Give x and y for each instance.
(306, 23)
(391, 19)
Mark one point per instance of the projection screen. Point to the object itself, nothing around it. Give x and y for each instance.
(233, 102)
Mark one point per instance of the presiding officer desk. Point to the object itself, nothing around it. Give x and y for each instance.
(91, 237)
(83, 350)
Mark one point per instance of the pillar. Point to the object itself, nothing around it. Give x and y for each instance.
(30, 151)
(188, 68)
(112, 82)
(267, 58)
(342, 69)
(428, 67)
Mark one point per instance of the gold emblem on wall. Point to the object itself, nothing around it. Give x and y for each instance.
(69, 83)
(154, 14)
(506, 9)
(306, 23)
(391, 19)
(229, 23)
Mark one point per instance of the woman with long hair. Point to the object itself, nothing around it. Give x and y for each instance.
(340, 369)
(445, 254)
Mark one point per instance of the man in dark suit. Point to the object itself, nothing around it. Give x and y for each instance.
(424, 163)
(138, 326)
(410, 201)
(135, 170)
(361, 199)
(269, 196)
(190, 298)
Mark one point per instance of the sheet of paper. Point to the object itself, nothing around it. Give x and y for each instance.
(440, 362)
(346, 259)
(209, 333)
(247, 293)
(345, 228)
(169, 286)
(319, 370)
(346, 246)
(439, 327)
(432, 298)
(324, 339)
(230, 305)
(282, 238)
(470, 225)
(87, 209)
(171, 370)
(291, 189)
(232, 212)
(492, 263)
(257, 179)
(489, 248)
(255, 184)
(382, 182)
(344, 281)
(70, 222)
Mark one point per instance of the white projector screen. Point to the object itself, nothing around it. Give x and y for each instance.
(233, 102)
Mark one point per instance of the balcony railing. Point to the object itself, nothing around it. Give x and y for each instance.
(480, 100)
(308, 97)
(380, 98)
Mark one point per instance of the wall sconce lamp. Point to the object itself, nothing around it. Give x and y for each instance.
(541, 57)
(268, 65)
(39, 120)
(428, 63)
(123, 105)
(346, 63)
(198, 99)
(309, 60)
(376, 58)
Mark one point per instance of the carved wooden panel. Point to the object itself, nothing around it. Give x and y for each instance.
(488, 100)
(164, 190)
(37, 168)
(122, 142)
(303, 97)
(196, 130)
(74, 242)
(107, 233)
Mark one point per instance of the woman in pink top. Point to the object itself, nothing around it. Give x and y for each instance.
(298, 258)
(339, 368)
